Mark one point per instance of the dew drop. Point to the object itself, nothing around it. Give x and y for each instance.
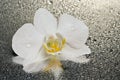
(72, 28)
(49, 1)
(28, 45)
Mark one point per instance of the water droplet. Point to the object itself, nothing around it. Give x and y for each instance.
(59, 53)
(28, 45)
(49, 1)
(72, 28)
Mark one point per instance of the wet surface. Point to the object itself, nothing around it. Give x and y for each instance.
(101, 16)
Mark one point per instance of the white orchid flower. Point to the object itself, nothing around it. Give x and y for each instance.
(41, 47)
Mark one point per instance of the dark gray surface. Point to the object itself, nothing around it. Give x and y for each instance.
(101, 16)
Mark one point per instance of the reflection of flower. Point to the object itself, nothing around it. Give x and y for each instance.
(43, 45)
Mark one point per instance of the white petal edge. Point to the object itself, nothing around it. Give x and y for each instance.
(80, 59)
(18, 60)
(45, 22)
(69, 53)
(36, 64)
(57, 72)
(74, 30)
(27, 41)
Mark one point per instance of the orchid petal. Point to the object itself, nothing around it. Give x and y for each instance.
(57, 72)
(27, 41)
(80, 59)
(35, 66)
(45, 22)
(18, 60)
(75, 31)
(69, 53)
(38, 63)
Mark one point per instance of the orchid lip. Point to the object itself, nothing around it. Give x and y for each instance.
(54, 45)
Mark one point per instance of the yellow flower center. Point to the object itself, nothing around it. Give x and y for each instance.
(54, 45)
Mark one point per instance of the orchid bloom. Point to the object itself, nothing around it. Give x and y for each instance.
(41, 47)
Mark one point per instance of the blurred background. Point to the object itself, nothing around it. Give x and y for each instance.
(101, 16)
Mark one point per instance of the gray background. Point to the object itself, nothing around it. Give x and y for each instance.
(101, 16)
